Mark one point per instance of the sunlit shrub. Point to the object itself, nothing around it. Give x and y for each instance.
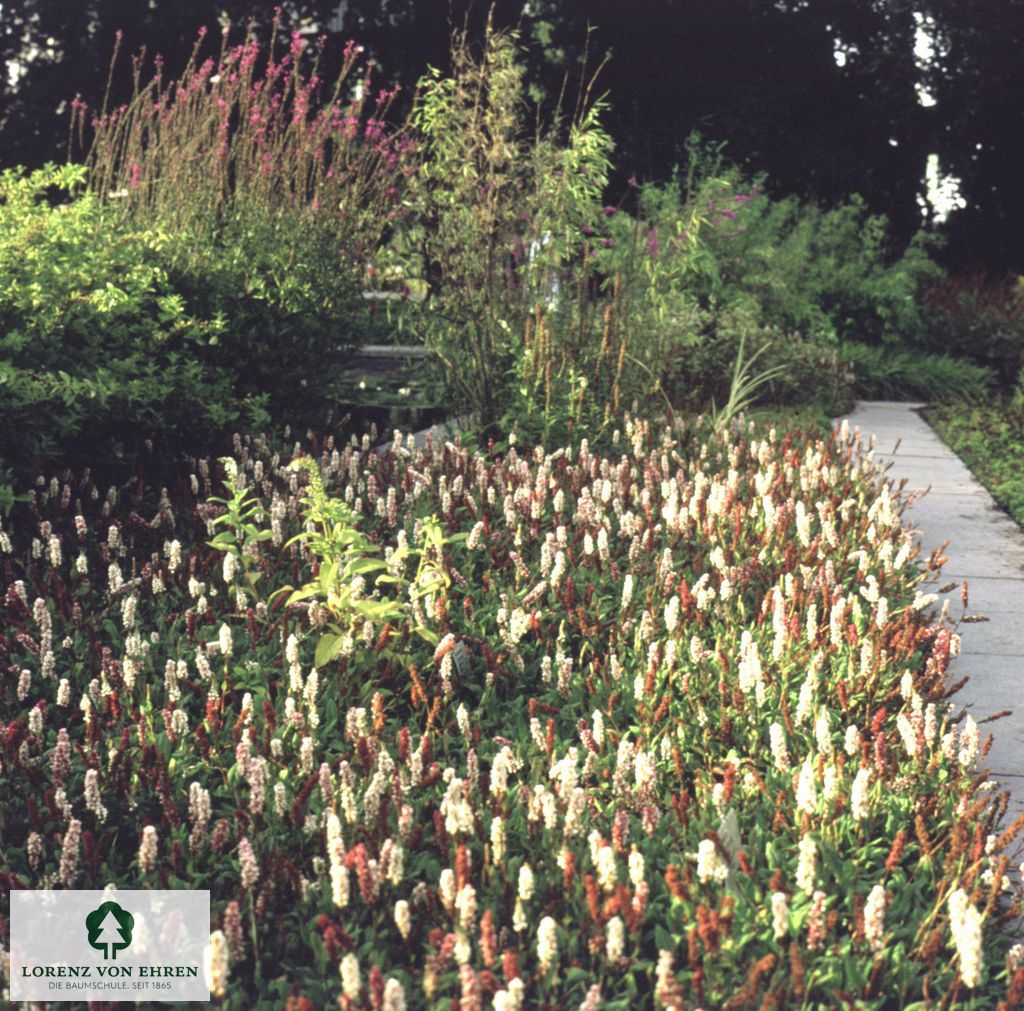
(100, 348)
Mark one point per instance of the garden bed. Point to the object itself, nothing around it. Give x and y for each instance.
(665, 728)
(989, 437)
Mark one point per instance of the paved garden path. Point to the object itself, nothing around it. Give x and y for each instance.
(987, 549)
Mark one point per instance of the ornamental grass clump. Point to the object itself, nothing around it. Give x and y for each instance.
(675, 730)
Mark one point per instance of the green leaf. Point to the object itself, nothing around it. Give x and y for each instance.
(327, 648)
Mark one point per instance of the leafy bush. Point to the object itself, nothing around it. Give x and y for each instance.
(701, 269)
(911, 374)
(979, 318)
(826, 272)
(668, 265)
(795, 369)
(100, 348)
(685, 734)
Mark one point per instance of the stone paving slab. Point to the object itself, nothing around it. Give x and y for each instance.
(995, 685)
(917, 441)
(936, 470)
(986, 595)
(911, 450)
(987, 549)
(995, 638)
(974, 556)
(968, 509)
(940, 475)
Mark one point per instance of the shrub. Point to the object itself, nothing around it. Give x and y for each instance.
(699, 268)
(980, 318)
(672, 263)
(796, 370)
(829, 272)
(100, 349)
(685, 734)
(911, 374)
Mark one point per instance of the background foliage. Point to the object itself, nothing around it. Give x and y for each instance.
(821, 130)
(286, 221)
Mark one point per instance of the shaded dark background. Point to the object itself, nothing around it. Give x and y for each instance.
(758, 76)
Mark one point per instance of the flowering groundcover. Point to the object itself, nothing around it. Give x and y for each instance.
(670, 727)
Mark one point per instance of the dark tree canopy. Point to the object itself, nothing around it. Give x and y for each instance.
(979, 129)
(761, 77)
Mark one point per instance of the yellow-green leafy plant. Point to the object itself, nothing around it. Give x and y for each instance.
(351, 574)
(242, 532)
(349, 570)
(499, 207)
(102, 345)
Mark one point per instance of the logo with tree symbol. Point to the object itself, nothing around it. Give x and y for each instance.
(110, 928)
